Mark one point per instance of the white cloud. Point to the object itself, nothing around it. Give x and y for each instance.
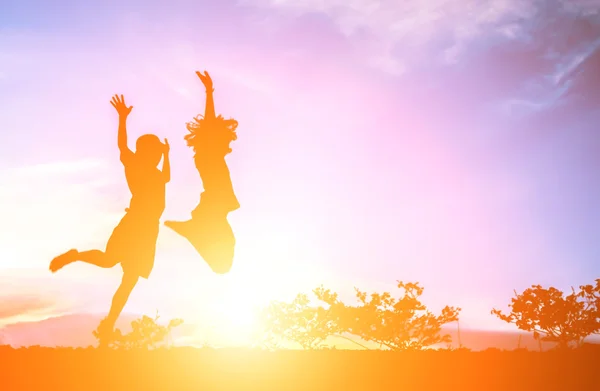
(401, 30)
(413, 23)
(549, 90)
(566, 68)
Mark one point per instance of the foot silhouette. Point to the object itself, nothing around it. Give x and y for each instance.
(63, 260)
(183, 228)
(104, 333)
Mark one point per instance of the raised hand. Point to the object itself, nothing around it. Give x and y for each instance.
(119, 104)
(206, 80)
(166, 147)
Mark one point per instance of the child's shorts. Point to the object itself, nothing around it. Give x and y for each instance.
(133, 244)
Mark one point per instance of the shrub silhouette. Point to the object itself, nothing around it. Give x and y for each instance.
(297, 322)
(145, 333)
(397, 324)
(553, 317)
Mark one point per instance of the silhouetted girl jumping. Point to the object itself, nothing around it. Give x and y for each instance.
(133, 241)
(208, 230)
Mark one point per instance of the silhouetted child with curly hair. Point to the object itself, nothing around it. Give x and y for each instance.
(133, 241)
(209, 231)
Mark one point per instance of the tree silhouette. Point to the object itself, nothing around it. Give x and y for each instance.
(297, 322)
(145, 333)
(553, 317)
(398, 324)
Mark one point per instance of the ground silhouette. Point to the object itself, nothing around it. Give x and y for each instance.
(245, 369)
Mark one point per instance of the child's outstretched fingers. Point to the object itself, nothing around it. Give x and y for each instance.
(118, 102)
(206, 79)
(167, 146)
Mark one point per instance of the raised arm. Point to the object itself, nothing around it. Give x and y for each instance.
(119, 104)
(166, 170)
(209, 111)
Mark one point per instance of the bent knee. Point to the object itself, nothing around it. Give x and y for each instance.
(111, 257)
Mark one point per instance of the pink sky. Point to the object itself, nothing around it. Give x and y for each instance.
(375, 145)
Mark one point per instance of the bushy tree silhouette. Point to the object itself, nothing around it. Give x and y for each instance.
(297, 322)
(554, 317)
(402, 323)
(397, 324)
(145, 333)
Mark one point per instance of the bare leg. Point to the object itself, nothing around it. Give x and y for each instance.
(120, 298)
(98, 258)
(211, 236)
(118, 303)
(93, 257)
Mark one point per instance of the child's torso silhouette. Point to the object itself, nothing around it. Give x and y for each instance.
(147, 186)
(216, 181)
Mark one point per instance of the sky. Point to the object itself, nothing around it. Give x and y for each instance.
(450, 142)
